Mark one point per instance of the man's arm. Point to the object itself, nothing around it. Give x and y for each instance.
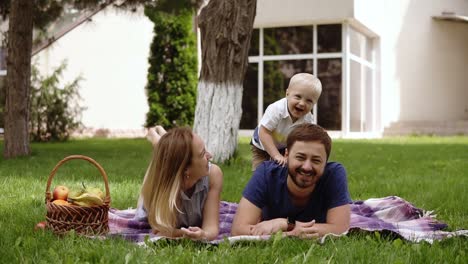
(247, 221)
(247, 216)
(338, 219)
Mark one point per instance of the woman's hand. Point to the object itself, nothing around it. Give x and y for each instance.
(194, 233)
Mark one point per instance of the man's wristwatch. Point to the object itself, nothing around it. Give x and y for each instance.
(291, 223)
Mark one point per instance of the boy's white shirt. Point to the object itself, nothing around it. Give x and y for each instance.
(277, 120)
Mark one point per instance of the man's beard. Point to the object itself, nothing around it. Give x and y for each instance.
(294, 175)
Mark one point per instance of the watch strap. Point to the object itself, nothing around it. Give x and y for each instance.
(291, 223)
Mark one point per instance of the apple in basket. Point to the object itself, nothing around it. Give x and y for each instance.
(60, 193)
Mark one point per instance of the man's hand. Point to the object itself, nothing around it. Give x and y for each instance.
(280, 159)
(304, 230)
(268, 227)
(194, 233)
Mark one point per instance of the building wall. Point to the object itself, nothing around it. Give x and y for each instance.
(369, 13)
(425, 61)
(273, 13)
(421, 62)
(111, 53)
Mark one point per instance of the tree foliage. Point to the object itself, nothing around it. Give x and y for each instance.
(172, 75)
(22, 15)
(40, 13)
(55, 110)
(47, 11)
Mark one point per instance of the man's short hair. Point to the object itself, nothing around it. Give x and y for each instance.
(307, 133)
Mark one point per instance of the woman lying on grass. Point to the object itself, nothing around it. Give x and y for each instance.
(181, 190)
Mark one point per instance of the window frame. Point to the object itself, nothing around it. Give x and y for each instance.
(346, 57)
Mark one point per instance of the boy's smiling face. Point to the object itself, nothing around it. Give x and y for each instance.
(300, 99)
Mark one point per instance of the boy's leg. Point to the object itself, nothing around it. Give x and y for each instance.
(258, 156)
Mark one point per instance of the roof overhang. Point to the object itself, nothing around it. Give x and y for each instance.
(450, 16)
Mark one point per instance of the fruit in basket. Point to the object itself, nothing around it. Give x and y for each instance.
(93, 190)
(86, 199)
(60, 192)
(96, 191)
(61, 202)
(75, 193)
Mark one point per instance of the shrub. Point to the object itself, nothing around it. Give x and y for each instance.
(55, 112)
(172, 75)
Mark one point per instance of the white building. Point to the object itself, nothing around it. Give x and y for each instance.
(387, 67)
(110, 51)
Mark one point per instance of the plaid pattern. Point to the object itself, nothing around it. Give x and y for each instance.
(396, 216)
(390, 214)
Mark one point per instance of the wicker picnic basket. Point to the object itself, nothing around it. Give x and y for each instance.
(85, 220)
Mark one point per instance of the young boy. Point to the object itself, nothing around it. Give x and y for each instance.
(269, 138)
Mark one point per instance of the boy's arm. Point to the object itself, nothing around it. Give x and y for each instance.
(266, 138)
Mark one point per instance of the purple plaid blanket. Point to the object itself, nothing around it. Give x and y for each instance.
(389, 214)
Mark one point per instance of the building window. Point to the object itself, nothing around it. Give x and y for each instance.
(288, 40)
(362, 113)
(276, 54)
(329, 103)
(285, 51)
(276, 76)
(329, 38)
(254, 43)
(250, 98)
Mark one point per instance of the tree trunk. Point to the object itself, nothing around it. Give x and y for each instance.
(226, 28)
(18, 79)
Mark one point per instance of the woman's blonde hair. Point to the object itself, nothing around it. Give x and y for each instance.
(164, 178)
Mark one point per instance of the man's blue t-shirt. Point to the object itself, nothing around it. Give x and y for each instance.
(267, 189)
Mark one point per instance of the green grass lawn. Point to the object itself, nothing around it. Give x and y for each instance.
(430, 172)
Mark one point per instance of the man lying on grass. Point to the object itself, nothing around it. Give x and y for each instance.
(308, 198)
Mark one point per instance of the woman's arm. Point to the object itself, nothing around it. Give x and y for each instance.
(211, 210)
(210, 225)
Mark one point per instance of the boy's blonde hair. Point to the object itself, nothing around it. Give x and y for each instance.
(164, 179)
(308, 80)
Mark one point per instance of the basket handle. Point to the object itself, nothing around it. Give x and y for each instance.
(72, 157)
